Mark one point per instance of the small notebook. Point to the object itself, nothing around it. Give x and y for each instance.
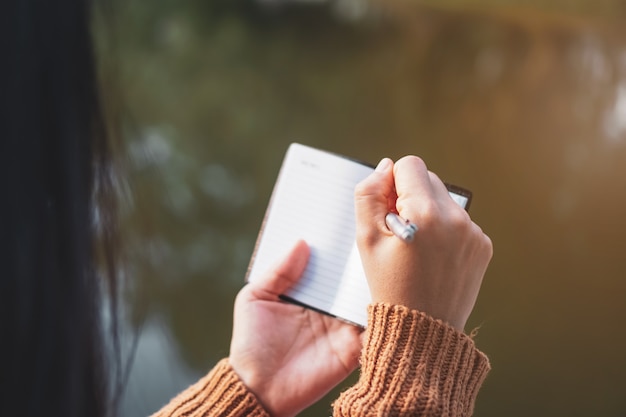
(313, 200)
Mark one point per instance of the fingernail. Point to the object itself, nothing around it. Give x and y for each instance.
(383, 165)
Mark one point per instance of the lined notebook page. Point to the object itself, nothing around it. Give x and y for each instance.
(313, 200)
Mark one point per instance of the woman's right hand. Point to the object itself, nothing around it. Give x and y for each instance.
(440, 272)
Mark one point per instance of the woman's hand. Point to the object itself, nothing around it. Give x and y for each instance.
(441, 270)
(289, 356)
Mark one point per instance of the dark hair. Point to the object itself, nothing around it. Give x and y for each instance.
(53, 150)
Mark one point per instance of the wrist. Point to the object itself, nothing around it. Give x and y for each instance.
(259, 384)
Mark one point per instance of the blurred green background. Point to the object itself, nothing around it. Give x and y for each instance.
(523, 102)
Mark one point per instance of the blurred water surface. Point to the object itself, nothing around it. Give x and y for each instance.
(525, 104)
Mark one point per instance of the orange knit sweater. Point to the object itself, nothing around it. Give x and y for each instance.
(411, 365)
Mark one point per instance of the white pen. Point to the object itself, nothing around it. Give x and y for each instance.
(400, 227)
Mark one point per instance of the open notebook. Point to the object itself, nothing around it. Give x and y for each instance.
(313, 200)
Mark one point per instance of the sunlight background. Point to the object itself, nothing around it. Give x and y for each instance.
(523, 102)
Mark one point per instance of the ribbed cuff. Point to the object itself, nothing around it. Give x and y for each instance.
(412, 365)
(219, 394)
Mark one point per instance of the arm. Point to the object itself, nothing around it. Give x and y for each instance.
(221, 393)
(283, 357)
(416, 364)
(413, 364)
(445, 384)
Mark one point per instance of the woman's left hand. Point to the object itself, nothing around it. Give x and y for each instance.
(287, 355)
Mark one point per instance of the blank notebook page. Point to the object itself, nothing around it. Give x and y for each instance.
(313, 200)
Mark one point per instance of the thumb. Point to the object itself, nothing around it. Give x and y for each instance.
(284, 274)
(374, 197)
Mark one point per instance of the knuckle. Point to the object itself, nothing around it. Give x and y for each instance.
(364, 189)
(482, 242)
(434, 177)
(367, 238)
(430, 214)
(459, 219)
(488, 245)
(411, 161)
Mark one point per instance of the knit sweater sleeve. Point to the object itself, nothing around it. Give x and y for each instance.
(413, 365)
(219, 394)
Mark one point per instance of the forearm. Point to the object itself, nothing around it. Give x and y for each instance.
(413, 365)
(219, 394)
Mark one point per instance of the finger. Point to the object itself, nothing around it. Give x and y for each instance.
(372, 198)
(284, 274)
(439, 188)
(444, 199)
(413, 186)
